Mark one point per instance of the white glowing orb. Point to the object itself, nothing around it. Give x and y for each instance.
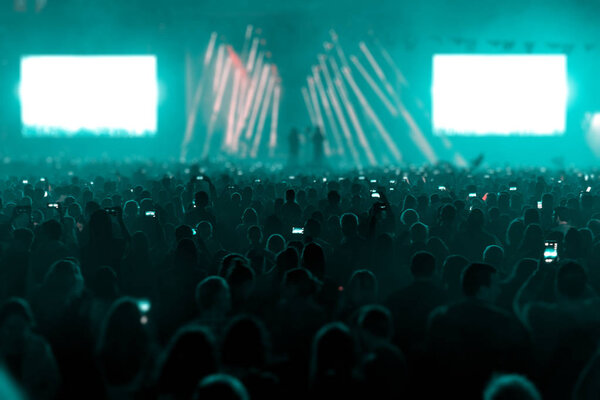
(88, 95)
(499, 94)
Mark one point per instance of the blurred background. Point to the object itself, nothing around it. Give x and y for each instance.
(228, 80)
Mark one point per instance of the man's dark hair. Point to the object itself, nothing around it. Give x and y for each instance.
(201, 198)
(183, 232)
(208, 291)
(290, 195)
(422, 264)
(52, 229)
(376, 320)
(475, 276)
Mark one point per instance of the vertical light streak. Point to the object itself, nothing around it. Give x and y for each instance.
(247, 38)
(327, 109)
(344, 126)
(354, 119)
(252, 56)
(264, 77)
(211, 48)
(274, 120)
(217, 107)
(193, 112)
(232, 109)
(338, 110)
(248, 98)
(263, 116)
(218, 67)
(345, 100)
(309, 108)
(318, 115)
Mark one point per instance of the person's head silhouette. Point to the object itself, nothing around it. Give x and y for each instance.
(376, 320)
(494, 256)
(124, 342)
(349, 224)
(313, 259)
(245, 344)
(221, 387)
(511, 387)
(333, 352)
(419, 233)
(290, 196)
(571, 281)
(362, 288)
(479, 282)
(190, 356)
(213, 295)
(422, 265)
(201, 199)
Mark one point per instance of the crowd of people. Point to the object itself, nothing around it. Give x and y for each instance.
(166, 281)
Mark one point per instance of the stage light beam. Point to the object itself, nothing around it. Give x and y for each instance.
(415, 132)
(218, 67)
(264, 77)
(211, 48)
(388, 104)
(327, 109)
(232, 110)
(193, 112)
(263, 115)
(252, 56)
(247, 99)
(363, 101)
(274, 120)
(355, 122)
(337, 109)
(344, 126)
(217, 106)
(318, 115)
(309, 108)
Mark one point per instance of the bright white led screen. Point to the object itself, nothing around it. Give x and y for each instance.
(499, 94)
(67, 96)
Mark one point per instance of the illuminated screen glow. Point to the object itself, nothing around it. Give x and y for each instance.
(66, 96)
(499, 94)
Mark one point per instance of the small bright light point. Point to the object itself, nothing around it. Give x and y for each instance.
(144, 320)
(93, 95)
(499, 94)
(144, 306)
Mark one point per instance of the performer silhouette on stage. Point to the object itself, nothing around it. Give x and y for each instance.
(294, 142)
(318, 140)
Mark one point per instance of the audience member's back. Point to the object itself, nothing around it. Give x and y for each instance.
(474, 338)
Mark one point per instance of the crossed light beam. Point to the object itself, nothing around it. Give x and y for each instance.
(244, 92)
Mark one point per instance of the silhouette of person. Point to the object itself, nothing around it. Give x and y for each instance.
(318, 139)
(294, 143)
